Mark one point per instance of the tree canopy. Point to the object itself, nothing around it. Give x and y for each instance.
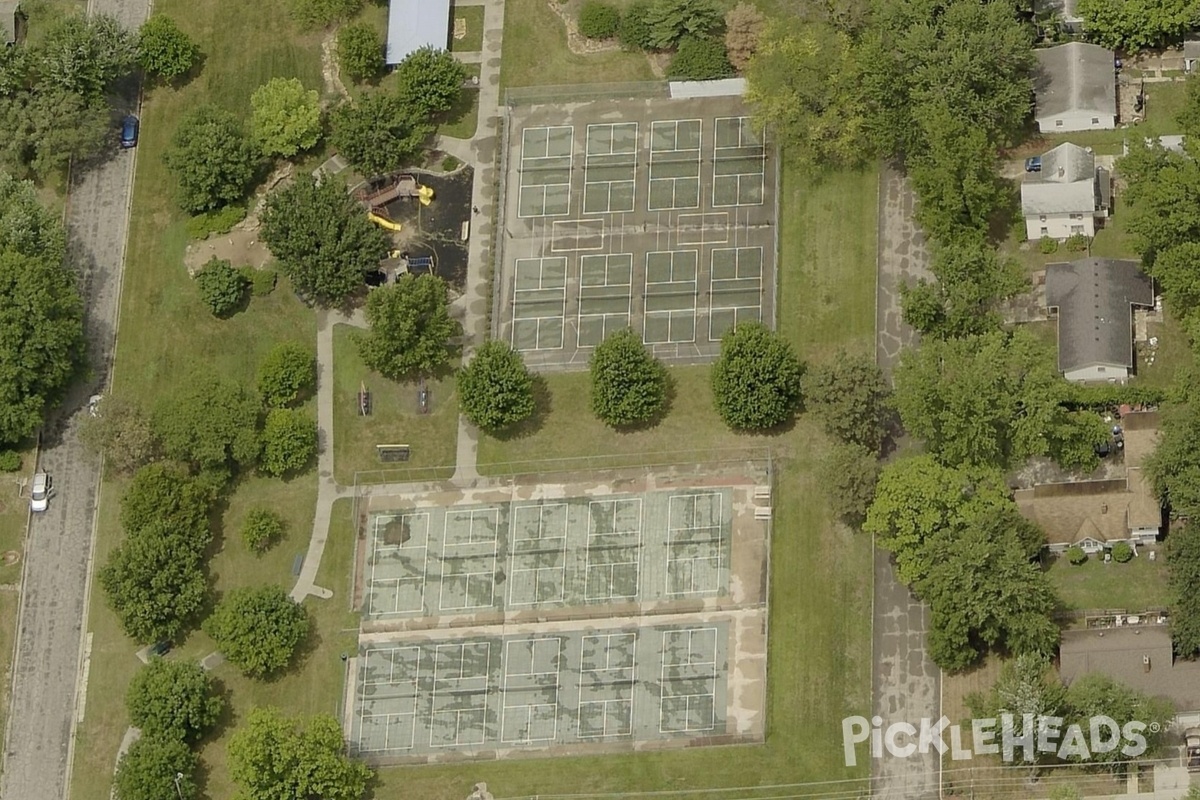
(211, 158)
(379, 132)
(850, 472)
(210, 422)
(222, 288)
(756, 381)
(173, 699)
(629, 385)
(262, 529)
(1133, 25)
(289, 441)
(86, 55)
(151, 768)
(671, 21)
(287, 374)
(258, 629)
(285, 118)
(971, 279)
(48, 126)
(410, 327)
(360, 51)
(163, 50)
(122, 431)
(1183, 564)
(495, 389)
(700, 58)
(272, 757)
(429, 80)
(851, 396)
(323, 240)
(743, 29)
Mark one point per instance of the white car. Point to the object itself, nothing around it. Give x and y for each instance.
(39, 497)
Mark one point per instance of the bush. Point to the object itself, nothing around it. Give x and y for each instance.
(1122, 552)
(599, 20)
(756, 381)
(289, 441)
(449, 164)
(700, 59)
(634, 31)
(1076, 556)
(288, 372)
(629, 385)
(10, 461)
(743, 29)
(360, 52)
(220, 220)
(262, 281)
(1048, 246)
(262, 529)
(222, 288)
(258, 629)
(319, 13)
(1077, 243)
(164, 50)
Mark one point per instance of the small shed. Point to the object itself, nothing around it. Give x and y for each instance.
(12, 22)
(413, 24)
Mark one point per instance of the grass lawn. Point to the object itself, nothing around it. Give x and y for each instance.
(820, 650)
(535, 52)
(461, 121)
(394, 418)
(1172, 354)
(472, 16)
(1136, 585)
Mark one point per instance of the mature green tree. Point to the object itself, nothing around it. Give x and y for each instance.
(258, 629)
(971, 280)
(212, 160)
(918, 498)
(850, 395)
(285, 118)
(151, 768)
(379, 132)
(629, 385)
(756, 381)
(1177, 270)
(27, 227)
(599, 20)
(287, 374)
(1183, 564)
(163, 50)
(973, 58)
(155, 582)
(16, 69)
(210, 422)
(122, 432)
(495, 389)
(1164, 192)
(670, 21)
(744, 25)
(851, 472)
(85, 55)
(803, 83)
(49, 127)
(1097, 694)
(430, 80)
(1174, 466)
(360, 51)
(634, 32)
(222, 288)
(322, 238)
(164, 492)
(700, 58)
(262, 529)
(173, 699)
(1133, 25)
(313, 14)
(273, 757)
(41, 337)
(289, 441)
(410, 328)
(1027, 684)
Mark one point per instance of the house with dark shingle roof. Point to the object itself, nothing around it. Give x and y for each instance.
(12, 22)
(1138, 654)
(1093, 301)
(1069, 196)
(1075, 88)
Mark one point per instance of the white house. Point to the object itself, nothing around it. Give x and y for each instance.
(1093, 300)
(1068, 197)
(1075, 88)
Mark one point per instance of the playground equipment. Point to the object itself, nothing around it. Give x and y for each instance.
(383, 189)
(364, 400)
(382, 221)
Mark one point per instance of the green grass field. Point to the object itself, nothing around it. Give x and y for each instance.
(1137, 585)
(394, 418)
(461, 121)
(472, 17)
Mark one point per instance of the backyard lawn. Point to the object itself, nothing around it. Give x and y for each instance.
(1136, 585)
(394, 417)
(472, 25)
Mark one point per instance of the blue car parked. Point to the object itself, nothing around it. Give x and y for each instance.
(129, 132)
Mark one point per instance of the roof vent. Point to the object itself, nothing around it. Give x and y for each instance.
(1062, 171)
(1104, 508)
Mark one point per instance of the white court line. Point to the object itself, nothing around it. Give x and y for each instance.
(362, 712)
(529, 707)
(570, 166)
(434, 713)
(611, 565)
(377, 549)
(717, 547)
(687, 698)
(604, 703)
(698, 150)
(738, 176)
(513, 570)
(712, 222)
(491, 573)
(588, 166)
(608, 284)
(561, 317)
(585, 229)
(671, 314)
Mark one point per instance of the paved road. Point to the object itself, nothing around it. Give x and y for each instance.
(45, 691)
(905, 685)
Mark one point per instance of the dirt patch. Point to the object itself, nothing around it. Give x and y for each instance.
(10, 557)
(242, 246)
(329, 70)
(579, 44)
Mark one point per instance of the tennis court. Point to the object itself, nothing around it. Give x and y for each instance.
(549, 553)
(422, 697)
(656, 214)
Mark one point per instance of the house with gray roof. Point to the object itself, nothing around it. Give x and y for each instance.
(1075, 88)
(1137, 653)
(1069, 196)
(413, 24)
(1093, 301)
(12, 22)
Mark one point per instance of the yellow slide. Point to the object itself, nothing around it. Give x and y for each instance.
(425, 195)
(383, 222)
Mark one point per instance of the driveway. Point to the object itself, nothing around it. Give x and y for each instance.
(905, 684)
(46, 696)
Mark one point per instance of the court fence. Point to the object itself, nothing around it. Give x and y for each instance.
(583, 93)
